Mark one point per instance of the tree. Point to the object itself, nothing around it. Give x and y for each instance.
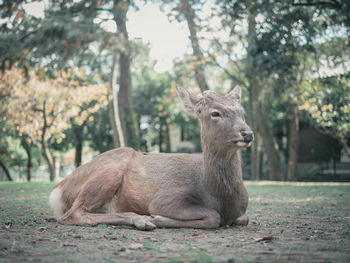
(280, 36)
(129, 124)
(261, 126)
(42, 108)
(327, 103)
(153, 98)
(118, 134)
(7, 172)
(4, 152)
(70, 33)
(198, 59)
(99, 130)
(27, 145)
(184, 10)
(4, 95)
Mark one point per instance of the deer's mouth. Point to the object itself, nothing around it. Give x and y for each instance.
(242, 143)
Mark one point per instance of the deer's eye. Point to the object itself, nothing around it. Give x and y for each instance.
(215, 114)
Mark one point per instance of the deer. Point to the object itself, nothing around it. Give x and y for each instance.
(166, 190)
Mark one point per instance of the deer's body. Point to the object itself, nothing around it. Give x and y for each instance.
(125, 187)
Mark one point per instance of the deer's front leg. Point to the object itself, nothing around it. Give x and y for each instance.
(188, 217)
(95, 194)
(243, 220)
(78, 217)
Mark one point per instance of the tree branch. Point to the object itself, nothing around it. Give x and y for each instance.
(332, 3)
(27, 34)
(38, 110)
(228, 54)
(235, 78)
(104, 9)
(7, 172)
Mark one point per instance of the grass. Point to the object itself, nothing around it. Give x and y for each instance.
(304, 223)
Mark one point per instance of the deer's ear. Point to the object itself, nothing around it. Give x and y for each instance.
(188, 99)
(236, 93)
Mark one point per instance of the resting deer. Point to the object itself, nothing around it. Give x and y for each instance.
(149, 190)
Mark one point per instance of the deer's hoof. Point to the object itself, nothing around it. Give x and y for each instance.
(242, 220)
(143, 224)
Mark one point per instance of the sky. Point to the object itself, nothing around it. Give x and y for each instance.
(168, 40)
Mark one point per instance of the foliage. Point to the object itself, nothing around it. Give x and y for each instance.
(46, 103)
(66, 33)
(40, 109)
(99, 131)
(7, 153)
(150, 92)
(156, 103)
(327, 101)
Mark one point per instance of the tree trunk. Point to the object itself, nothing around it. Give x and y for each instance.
(182, 127)
(78, 153)
(7, 172)
(27, 148)
(166, 136)
(259, 115)
(269, 143)
(255, 157)
(188, 12)
(128, 118)
(254, 153)
(45, 151)
(116, 123)
(79, 139)
(49, 160)
(160, 136)
(293, 143)
(112, 122)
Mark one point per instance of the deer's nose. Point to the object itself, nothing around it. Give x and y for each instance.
(248, 136)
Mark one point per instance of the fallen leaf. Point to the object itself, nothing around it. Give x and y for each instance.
(267, 239)
(111, 237)
(135, 246)
(68, 245)
(195, 235)
(42, 239)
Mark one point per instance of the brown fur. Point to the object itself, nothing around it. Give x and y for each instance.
(125, 187)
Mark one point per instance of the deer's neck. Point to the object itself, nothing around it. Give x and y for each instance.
(223, 179)
(222, 172)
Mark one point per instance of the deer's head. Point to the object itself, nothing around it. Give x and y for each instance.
(223, 125)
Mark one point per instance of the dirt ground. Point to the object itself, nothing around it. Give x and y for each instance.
(288, 223)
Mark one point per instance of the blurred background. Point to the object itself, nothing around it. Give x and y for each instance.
(80, 77)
